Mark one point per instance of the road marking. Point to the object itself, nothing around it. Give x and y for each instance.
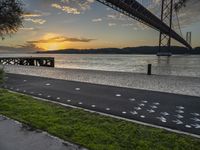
(58, 98)
(188, 126)
(142, 105)
(179, 116)
(165, 113)
(134, 112)
(151, 111)
(142, 116)
(162, 119)
(48, 84)
(25, 80)
(195, 119)
(180, 111)
(177, 121)
(49, 96)
(68, 100)
(180, 107)
(118, 95)
(144, 101)
(195, 114)
(108, 109)
(123, 112)
(132, 99)
(80, 103)
(156, 103)
(93, 106)
(138, 108)
(77, 89)
(154, 107)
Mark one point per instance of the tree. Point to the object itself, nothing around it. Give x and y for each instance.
(11, 16)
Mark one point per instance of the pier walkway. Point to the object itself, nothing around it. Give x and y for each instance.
(171, 111)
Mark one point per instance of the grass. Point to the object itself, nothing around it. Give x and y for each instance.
(90, 130)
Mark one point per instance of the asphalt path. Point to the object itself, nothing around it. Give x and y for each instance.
(173, 111)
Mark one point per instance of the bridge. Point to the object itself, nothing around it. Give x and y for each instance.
(137, 11)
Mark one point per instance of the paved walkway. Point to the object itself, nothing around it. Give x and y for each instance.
(15, 136)
(173, 111)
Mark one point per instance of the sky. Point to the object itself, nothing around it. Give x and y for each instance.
(86, 24)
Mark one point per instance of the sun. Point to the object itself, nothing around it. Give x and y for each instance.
(48, 42)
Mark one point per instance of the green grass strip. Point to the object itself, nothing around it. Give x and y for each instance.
(91, 130)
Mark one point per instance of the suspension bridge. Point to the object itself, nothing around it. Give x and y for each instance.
(137, 11)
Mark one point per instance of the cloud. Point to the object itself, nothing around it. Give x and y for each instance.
(67, 9)
(60, 39)
(36, 21)
(97, 20)
(73, 6)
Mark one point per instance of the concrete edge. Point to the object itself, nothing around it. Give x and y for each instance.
(113, 116)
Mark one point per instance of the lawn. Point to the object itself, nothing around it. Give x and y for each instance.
(90, 130)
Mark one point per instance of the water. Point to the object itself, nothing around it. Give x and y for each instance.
(181, 65)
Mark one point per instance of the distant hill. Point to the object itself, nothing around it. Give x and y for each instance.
(128, 50)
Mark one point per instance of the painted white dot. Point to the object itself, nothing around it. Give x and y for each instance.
(58, 98)
(108, 109)
(49, 96)
(118, 95)
(69, 100)
(77, 89)
(80, 103)
(134, 112)
(132, 99)
(142, 116)
(48, 84)
(188, 126)
(93, 106)
(123, 112)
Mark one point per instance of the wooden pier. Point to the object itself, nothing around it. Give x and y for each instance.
(28, 61)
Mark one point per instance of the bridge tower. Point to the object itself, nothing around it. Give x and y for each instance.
(166, 17)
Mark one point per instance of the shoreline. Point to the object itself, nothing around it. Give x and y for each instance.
(162, 83)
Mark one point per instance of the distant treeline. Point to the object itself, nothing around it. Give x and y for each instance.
(128, 50)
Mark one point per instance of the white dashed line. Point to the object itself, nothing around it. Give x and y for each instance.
(80, 103)
(144, 101)
(132, 99)
(25, 80)
(40, 94)
(93, 106)
(180, 107)
(137, 108)
(48, 96)
(68, 100)
(118, 95)
(142, 116)
(48, 84)
(156, 103)
(108, 109)
(58, 98)
(123, 112)
(77, 89)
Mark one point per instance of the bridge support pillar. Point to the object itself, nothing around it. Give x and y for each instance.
(165, 38)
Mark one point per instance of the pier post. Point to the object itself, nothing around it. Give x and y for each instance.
(149, 69)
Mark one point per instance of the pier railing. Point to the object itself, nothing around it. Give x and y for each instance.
(28, 61)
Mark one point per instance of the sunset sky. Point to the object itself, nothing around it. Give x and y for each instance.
(60, 24)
